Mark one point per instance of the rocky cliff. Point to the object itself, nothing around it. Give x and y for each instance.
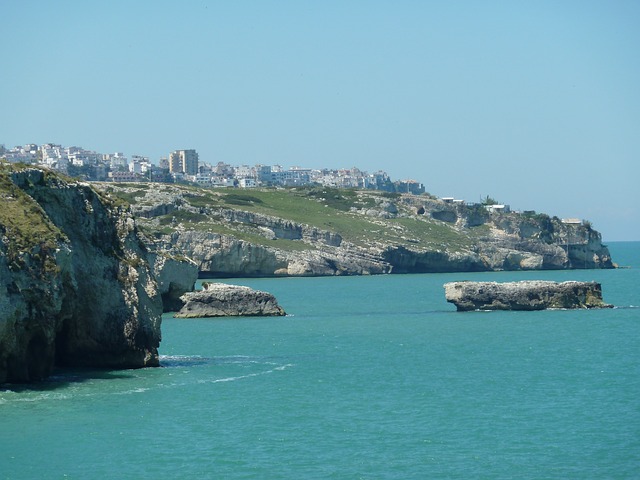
(323, 231)
(77, 286)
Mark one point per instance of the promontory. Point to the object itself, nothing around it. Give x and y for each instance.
(315, 231)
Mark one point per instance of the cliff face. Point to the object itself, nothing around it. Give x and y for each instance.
(221, 255)
(76, 285)
(301, 232)
(175, 276)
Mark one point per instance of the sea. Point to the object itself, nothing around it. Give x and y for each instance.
(373, 377)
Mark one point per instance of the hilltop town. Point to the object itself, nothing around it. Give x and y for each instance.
(184, 166)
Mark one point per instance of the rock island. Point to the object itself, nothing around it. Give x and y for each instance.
(526, 295)
(222, 300)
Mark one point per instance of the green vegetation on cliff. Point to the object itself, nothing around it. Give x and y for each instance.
(25, 228)
(320, 230)
(363, 218)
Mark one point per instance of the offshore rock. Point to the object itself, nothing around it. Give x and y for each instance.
(76, 285)
(222, 300)
(526, 295)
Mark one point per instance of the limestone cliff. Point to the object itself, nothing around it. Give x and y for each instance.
(324, 231)
(76, 285)
(175, 277)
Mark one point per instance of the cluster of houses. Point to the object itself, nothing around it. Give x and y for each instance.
(78, 162)
(185, 166)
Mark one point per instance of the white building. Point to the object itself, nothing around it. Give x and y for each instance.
(80, 157)
(184, 161)
(245, 171)
(116, 160)
(248, 183)
(139, 164)
(20, 154)
(203, 178)
(498, 208)
(221, 181)
(54, 156)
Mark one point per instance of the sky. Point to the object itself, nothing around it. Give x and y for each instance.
(533, 103)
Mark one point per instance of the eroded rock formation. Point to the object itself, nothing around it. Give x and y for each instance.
(526, 295)
(175, 276)
(76, 284)
(222, 300)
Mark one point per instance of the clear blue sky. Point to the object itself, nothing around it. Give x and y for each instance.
(534, 103)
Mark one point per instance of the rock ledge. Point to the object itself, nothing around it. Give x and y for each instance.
(525, 295)
(222, 300)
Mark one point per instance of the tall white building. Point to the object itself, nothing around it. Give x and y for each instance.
(139, 164)
(116, 160)
(184, 161)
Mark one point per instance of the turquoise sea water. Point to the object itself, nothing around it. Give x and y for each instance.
(367, 378)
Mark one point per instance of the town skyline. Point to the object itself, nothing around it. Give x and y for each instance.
(185, 166)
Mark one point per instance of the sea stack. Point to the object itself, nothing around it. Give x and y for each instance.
(222, 300)
(525, 295)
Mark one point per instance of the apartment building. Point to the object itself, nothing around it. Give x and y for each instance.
(184, 161)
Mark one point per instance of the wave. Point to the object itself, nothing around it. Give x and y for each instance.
(9, 396)
(130, 392)
(249, 375)
(258, 366)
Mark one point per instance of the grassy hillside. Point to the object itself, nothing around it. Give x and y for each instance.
(23, 223)
(355, 215)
